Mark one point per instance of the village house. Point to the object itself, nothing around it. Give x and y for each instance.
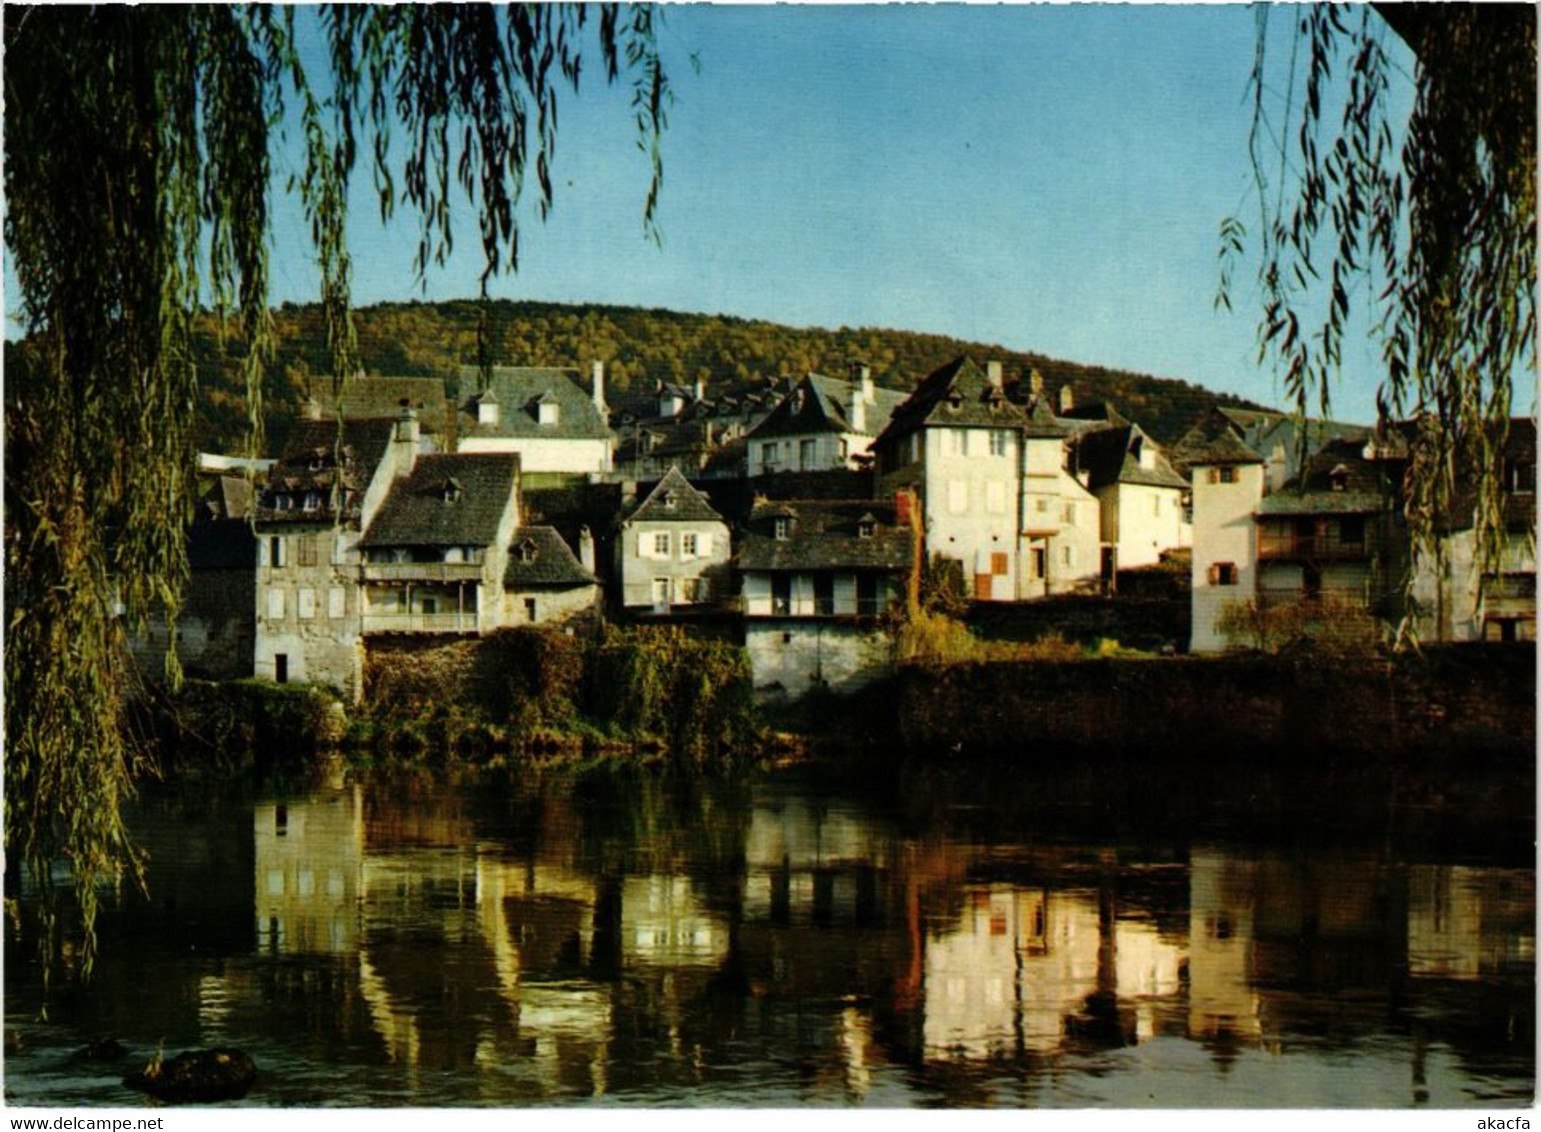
(822, 423)
(1140, 496)
(1333, 541)
(673, 550)
(956, 442)
(544, 583)
(816, 577)
(369, 396)
(322, 494)
(434, 554)
(541, 413)
(680, 427)
(1061, 519)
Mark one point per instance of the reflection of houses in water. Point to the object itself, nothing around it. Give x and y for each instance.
(309, 854)
(1464, 923)
(663, 924)
(1223, 1007)
(1023, 967)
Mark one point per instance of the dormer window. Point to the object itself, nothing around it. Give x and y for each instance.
(954, 401)
(452, 491)
(783, 528)
(317, 459)
(547, 411)
(1338, 477)
(670, 500)
(526, 551)
(283, 501)
(312, 501)
(487, 409)
(866, 527)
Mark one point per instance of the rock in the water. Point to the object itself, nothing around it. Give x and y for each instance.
(103, 1049)
(197, 1076)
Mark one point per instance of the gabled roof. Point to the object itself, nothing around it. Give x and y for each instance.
(1108, 456)
(1367, 485)
(309, 463)
(674, 500)
(447, 501)
(822, 404)
(537, 556)
(1215, 439)
(518, 391)
(1042, 423)
(958, 395)
(825, 535)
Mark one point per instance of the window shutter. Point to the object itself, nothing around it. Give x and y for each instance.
(1214, 573)
(704, 544)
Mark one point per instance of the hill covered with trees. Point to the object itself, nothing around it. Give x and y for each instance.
(640, 347)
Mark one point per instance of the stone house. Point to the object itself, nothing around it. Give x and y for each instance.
(1228, 479)
(822, 423)
(216, 626)
(816, 578)
(541, 413)
(434, 553)
(956, 441)
(543, 582)
(324, 491)
(673, 550)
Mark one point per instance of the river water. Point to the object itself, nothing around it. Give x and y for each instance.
(774, 940)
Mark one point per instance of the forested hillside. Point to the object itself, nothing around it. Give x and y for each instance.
(641, 347)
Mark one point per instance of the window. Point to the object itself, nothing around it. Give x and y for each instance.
(768, 456)
(1521, 477)
(1155, 505)
(783, 529)
(283, 502)
(306, 604)
(661, 544)
(275, 604)
(529, 609)
(1040, 562)
(998, 563)
(995, 498)
(868, 603)
(689, 545)
(670, 500)
(1042, 505)
(957, 496)
(824, 594)
(866, 528)
(1222, 574)
(1222, 475)
(1067, 555)
(1070, 513)
(781, 594)
(807, 454)
(307, 550)
(276, 551)
(336, 602)
(661, 593)
(312, 501)
(281, 667)
(998, 437)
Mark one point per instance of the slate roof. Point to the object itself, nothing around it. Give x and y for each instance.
(309, 464)
(1214, 440)
(688, 506)
(1107, 456)
(374, 396)
(426, 509)
(230, 497)
(1042, 423)
(551, 561)
(518, 390)
(958, 395)
(822, 404)
(1369, 485)
(825, 536)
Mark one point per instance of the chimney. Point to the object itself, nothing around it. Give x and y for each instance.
(993, 372)
(861, 375)
(599, 390)
(904, 507)
(405, 439)
(700, 390)
(858, 410)
(1035, 382)
(586, 548)
(1066, 399)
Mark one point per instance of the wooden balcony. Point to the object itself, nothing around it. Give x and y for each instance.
(452, 622)
(1307, 548)
(422, 571)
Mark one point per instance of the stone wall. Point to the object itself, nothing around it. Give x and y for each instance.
(216, 630)
(1467, 701)
(792, 658)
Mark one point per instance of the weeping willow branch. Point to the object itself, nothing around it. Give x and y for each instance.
(1436, 235)
(139, 144)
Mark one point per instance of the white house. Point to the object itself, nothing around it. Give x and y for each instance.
(957, 441)
(673, 550)
(822, 423)
(1139, 493)
(541, 413)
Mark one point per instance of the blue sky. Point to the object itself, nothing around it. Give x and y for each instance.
(1044, 178)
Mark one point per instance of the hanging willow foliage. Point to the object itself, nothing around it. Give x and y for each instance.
(138, 148)
(1438, 234)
